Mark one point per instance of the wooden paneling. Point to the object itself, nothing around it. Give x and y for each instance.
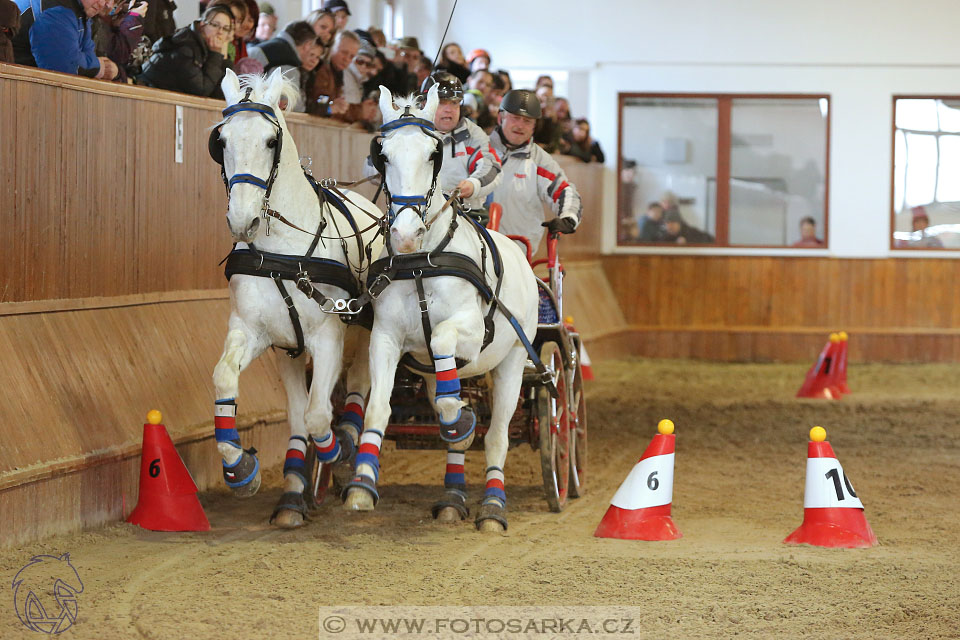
(773, 292)
(77, 385)
(771, 308)
(588, 178)
(96, 205)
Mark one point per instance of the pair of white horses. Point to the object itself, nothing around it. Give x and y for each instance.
(251, 134)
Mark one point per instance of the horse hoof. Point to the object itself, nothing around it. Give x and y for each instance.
(248, 490)
(358, 500)
(288, 519)
(448, 515)
(463, 445)
(491, 526)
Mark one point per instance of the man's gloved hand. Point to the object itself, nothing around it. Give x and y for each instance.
(564, 225)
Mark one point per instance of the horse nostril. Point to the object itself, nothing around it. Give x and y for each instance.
(252, 229)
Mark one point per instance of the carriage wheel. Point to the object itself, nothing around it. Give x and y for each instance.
(578, 436)
(553, 422)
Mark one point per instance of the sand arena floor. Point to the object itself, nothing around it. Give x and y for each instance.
(738, 491)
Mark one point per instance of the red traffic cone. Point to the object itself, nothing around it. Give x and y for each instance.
(841, 367)
(640, 509)
(819, 381)
(168, 496)
(832, 512)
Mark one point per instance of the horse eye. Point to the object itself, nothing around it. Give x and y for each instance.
(271, 143)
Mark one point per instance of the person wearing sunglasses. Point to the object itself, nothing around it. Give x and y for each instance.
(194, 59)
(363, 67)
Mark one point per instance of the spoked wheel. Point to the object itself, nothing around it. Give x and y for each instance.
(578, 435)
(554, 425)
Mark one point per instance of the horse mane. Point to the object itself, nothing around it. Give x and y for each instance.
(411, 100)
(259, 83)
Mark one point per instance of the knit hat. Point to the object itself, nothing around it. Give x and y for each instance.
(336, 5)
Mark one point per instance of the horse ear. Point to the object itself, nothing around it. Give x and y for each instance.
(433, 100)
(274, 87)
(230, 85)
(386, 105)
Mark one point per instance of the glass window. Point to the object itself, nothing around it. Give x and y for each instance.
(778, 174)
(723, 170)
(926, 166)
(669, 171)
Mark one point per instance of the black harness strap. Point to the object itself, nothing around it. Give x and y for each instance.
(250, 262)
(424, 316)
(294, 317)
(279, 267)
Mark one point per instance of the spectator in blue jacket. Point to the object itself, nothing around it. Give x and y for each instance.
(55, 35)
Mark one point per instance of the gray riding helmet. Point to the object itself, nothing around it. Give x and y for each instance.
(521, 102)
(448, 86)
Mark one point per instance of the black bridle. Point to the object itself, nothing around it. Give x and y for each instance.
(215, 146)
(419, 204)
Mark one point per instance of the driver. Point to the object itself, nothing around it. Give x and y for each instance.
(469, 162)
(531, 177)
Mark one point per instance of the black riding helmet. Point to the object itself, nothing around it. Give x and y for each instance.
(521, 102)
(448, 86)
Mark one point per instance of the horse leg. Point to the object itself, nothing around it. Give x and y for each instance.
(292, 508)
(326, 348)
(384, 355)
(350, 424)
(241, 469)
(457, 421)
(452, 507)
(507, 380)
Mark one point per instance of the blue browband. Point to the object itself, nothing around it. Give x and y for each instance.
(248, 179)
(249, 106)
(266, 111)
(406, 121)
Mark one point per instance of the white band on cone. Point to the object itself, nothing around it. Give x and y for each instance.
(827, 486)
(650, 484)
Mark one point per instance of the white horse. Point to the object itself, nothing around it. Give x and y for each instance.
(420, 223)
(266, 181)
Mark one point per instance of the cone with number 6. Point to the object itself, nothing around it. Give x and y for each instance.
(168, 496)
(640, 509)
(832, 512)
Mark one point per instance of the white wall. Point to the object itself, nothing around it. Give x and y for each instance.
(861, 52)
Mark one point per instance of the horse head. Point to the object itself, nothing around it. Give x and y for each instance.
(409, 158)
(253, 144)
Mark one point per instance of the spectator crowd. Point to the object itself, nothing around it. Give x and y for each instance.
(338, 70)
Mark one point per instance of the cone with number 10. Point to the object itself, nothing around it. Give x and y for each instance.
(640, 509)
(832, 512)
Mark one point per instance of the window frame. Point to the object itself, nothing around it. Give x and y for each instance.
(724, 128)
(893, 168)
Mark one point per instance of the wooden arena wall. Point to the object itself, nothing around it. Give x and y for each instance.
(782, 309)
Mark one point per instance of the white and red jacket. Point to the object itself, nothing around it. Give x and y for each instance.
(532, 178)
(467, 155)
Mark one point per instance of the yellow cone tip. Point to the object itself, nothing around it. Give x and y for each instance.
(568, 319)
(843, 336)
(834, 337)
(154, 417)
(818, 434)
(665, 427)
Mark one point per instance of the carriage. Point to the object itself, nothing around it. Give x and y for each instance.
(554, 426)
